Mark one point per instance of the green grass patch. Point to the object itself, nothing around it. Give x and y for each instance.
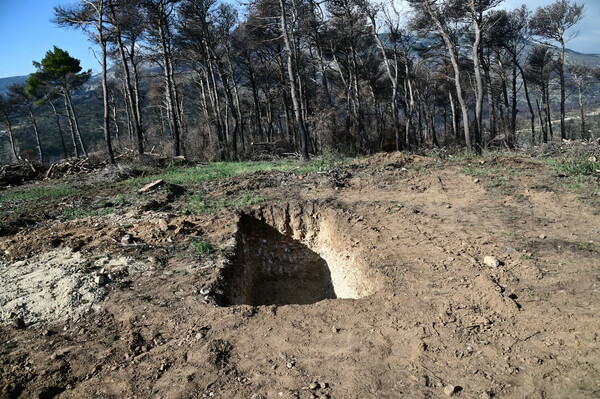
(243, 201)
(202, 247)
(587, 246)
(224, 170)
(31, 193)
(112, 338)
(575, 166)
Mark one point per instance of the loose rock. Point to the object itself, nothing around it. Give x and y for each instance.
(102, 279)
(449, 390)
(19, 323)
(491, 261)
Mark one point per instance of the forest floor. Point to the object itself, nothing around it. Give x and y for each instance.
(393, 276)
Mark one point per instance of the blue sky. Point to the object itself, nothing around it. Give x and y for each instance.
(26, 33)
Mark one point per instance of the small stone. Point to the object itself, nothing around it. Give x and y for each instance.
(127, 239)
(324, 385)
(491, 261)
(18, 322)
(313, 386)
(542, 236)
(162, 224)
(102, 279)
(335, 329)
(449, 390)
(324, 396)
(475, 181)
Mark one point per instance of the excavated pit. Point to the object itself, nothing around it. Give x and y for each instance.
(290, 258)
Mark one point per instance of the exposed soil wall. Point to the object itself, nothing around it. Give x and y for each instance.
(294, 254)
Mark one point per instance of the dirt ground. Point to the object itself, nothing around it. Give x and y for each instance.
(395, 277)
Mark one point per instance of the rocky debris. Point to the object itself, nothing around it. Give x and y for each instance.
(449, 390)
(332, 177)
(127, 239)
(491, 261)
(102, 280)
(18, 323)
(219, 352)
(151, 186)
(137, 344)
(162, 224)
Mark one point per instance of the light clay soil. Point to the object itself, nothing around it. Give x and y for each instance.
(375, 288)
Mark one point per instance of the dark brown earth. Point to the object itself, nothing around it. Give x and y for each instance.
(365, 283)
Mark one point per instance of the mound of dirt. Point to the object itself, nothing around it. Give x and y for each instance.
(391, 161)
(48, 288)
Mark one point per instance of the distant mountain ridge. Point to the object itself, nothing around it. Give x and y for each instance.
(5, 83)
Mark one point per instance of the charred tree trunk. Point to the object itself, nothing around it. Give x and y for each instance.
(129, 90)
(293, 84)
(453, 54)
(11, 136)
(60, 130)
(529, 105)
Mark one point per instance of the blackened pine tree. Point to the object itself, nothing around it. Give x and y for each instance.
(45, 95)
(442, 16)
(6, 113)
(20, 96)
(540, 67)
(552, 22)
(91, 16)
(127, 29)
(161, 18)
